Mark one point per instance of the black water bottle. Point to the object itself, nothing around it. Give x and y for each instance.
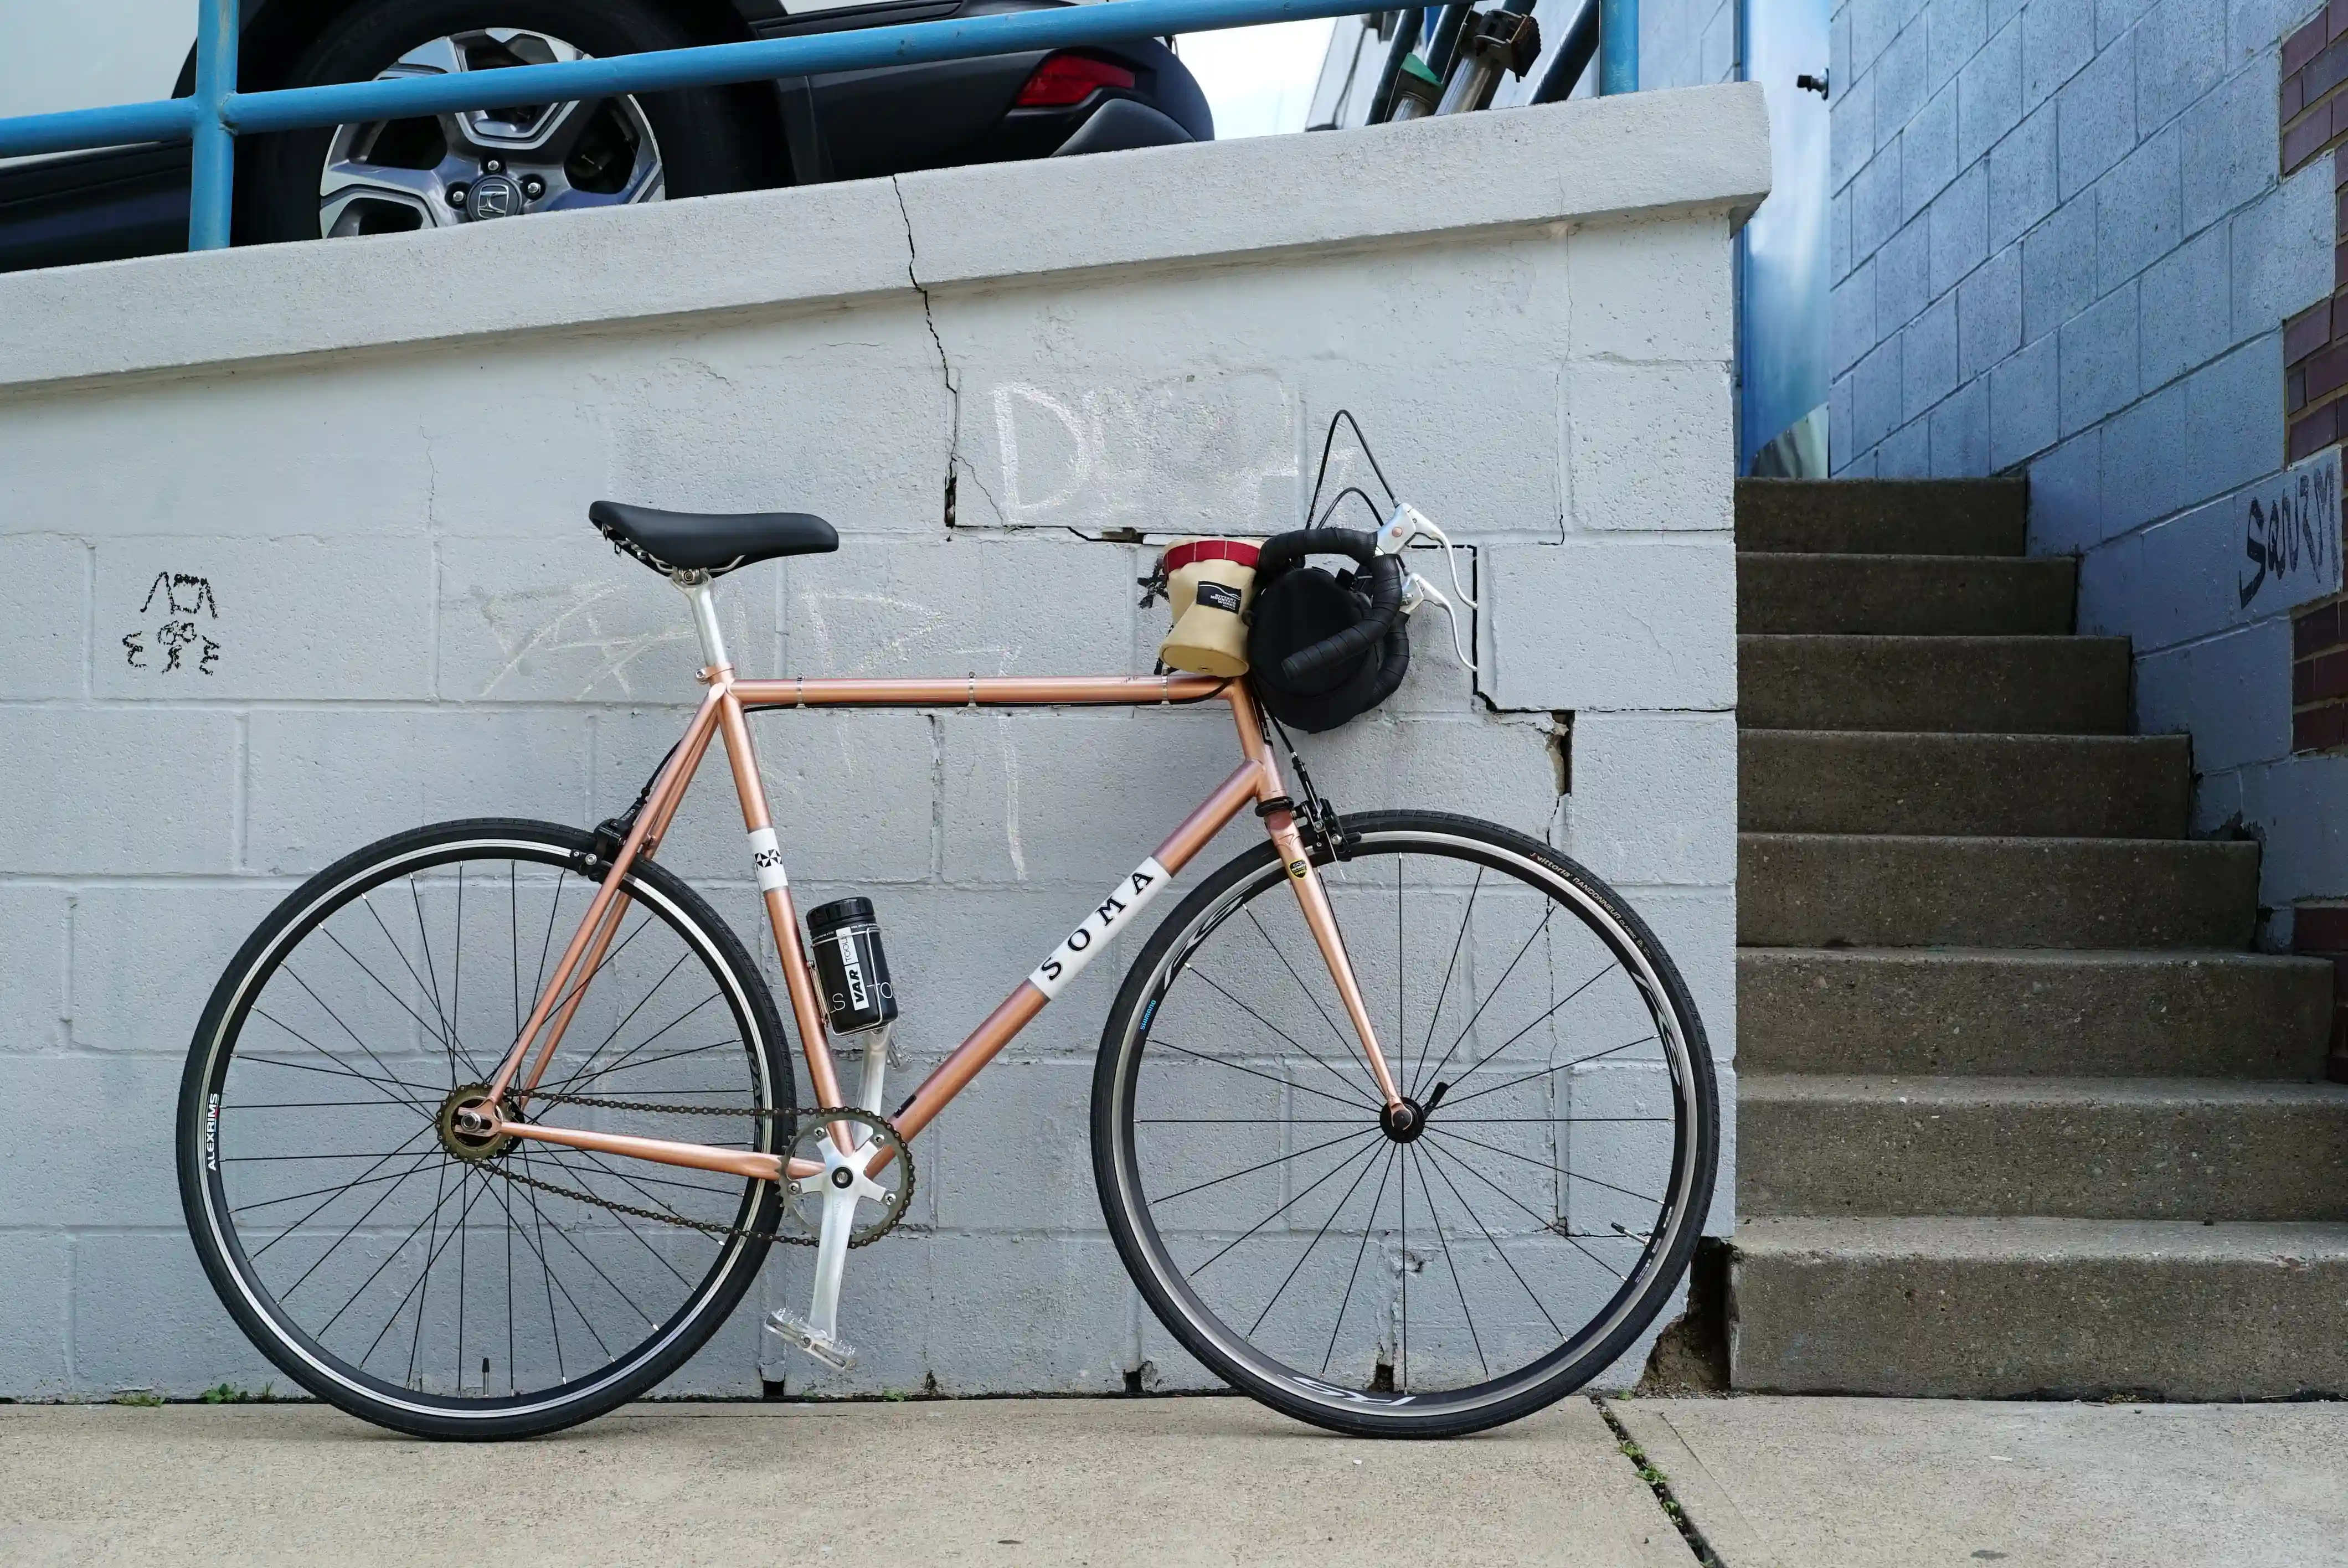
(849, 966)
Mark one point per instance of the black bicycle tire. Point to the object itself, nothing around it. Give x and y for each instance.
(1112, 1150)
(428, 1415)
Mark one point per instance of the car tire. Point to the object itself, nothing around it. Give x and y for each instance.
(709, 139)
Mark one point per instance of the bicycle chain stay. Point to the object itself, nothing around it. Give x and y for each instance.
(881, 1128)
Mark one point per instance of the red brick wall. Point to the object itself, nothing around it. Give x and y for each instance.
(2314, 68)
(2315, 341)
(2321, 930)
(2319, 677)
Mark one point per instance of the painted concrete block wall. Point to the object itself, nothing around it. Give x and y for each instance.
(2061, 247)
(382, 477)
(1686, 43)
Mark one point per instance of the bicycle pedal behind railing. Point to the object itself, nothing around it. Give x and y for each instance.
(829, 1349)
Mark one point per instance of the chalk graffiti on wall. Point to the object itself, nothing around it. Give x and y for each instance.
(2291, 534)
(1212, 453)
(172, 636)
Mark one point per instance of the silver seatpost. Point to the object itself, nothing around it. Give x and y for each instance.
(696, 588)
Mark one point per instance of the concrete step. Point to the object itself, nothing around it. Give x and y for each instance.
(1899, 517)
(1996, 685)
(2048, 1308)
(1986, 596)
(1839, 890)
(2017, 1013)
(2077, 1148)
(2073, 786)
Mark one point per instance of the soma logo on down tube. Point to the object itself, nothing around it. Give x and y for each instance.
(1124, 902)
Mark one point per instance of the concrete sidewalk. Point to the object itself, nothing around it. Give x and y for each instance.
(1769, 1483)
(1093, 1481)
(1883, 1483)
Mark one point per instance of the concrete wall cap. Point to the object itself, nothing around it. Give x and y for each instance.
(1656, 154)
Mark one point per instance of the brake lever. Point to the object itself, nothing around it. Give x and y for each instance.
(1407, 526)
(1415, 592)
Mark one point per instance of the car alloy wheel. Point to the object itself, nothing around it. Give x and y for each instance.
(390, 176)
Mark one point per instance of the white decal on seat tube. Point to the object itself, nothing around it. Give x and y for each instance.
(1124, 902)
(767, 854)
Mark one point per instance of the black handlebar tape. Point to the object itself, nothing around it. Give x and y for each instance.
(1385, 603)
(1284, 551)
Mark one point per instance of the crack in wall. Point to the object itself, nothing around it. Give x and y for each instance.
(956, 464)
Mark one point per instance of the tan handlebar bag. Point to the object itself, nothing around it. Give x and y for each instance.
(1209, 584)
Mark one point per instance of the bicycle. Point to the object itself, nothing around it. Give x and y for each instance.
(406, 1024)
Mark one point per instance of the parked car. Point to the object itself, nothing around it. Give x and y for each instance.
(536, 158)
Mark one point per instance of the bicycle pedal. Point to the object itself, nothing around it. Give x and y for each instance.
(832, 1351)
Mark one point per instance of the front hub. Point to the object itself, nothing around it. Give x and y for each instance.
(467, 1145)
(1403, 1122)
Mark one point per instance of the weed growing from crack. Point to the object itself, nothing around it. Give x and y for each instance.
(229, 1394)
(1659, 1483)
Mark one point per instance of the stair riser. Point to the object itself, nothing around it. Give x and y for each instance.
(2019, 686)
(1796, 781)
(1931, 1329)
(2226, 1160)
(1919, 596)
(2187, 1017)
(1801, 891)
(1975, 517)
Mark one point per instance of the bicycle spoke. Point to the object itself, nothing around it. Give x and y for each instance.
(629, 1017)
(1546, 1071)
(1493, 1242)
(1292, 1039)
(1548, 1225)
(1336, 1034)
(1544, 1018)
(1402, 1371)
(1366, 1148)
(1435, 1217)
(389, 1077)
(388, 1258)
(1315, 1242)
(1277, 1160)
(1426, 1046)
(1503, 980)
(1268, 1078)
(1338, 1326)
(338, 1071)
(436, 1031)
(425, 937)
(440, 1032)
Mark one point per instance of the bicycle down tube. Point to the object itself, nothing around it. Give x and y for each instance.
(722, 713)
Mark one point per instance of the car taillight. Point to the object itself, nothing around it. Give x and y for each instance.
(1064, 79)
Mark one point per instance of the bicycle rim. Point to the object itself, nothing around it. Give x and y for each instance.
(411, 1276)
(1478, 1269)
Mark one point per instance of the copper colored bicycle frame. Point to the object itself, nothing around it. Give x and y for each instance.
(721, 714)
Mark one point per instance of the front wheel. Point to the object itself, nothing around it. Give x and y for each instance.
(1419, 1278)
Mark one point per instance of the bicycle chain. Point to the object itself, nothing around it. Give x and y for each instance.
(710, 1227)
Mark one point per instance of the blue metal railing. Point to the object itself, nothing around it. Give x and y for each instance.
(217, 113)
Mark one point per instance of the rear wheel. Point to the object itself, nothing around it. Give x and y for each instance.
(437, 171)
(450, 1286)
(1441, 1272)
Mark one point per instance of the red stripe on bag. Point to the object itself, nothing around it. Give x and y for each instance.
(1243, 551)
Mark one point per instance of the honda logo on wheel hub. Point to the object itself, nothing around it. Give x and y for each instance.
(495, 196)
